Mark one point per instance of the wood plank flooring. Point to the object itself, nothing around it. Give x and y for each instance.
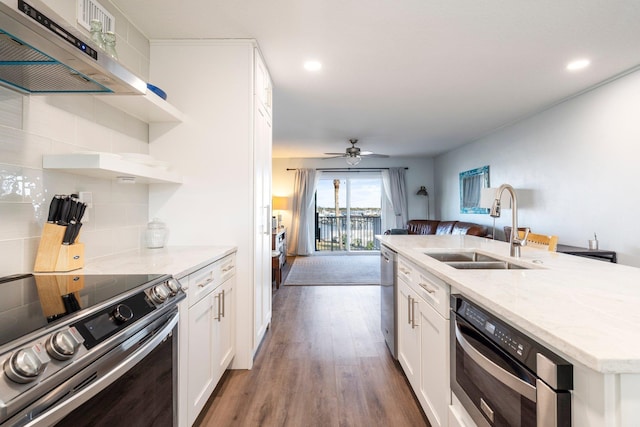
(323, 362)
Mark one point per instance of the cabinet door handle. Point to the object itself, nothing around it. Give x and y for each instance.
(218, 314)
(267, 224)
(409, 309)
(413, 314)
(223, 305)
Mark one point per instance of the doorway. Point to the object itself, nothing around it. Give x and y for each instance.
(348, 209)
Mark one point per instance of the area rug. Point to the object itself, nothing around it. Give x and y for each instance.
(335, 270)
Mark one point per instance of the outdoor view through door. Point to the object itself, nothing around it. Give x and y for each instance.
(348, 212)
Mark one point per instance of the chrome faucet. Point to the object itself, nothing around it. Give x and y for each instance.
(515, 242)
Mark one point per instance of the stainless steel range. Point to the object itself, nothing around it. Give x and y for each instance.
(88, 349)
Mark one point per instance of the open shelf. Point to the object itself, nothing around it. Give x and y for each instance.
(103, 165)
(149, 108)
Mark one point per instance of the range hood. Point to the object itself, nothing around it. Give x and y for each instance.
(41, 54)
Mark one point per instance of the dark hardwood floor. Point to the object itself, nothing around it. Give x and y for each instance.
(323, 362)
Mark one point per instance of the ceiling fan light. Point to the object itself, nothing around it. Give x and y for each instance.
(353, 160)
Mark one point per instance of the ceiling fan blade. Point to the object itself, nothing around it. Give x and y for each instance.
(381, 156)
(335, 154)
(333, 157)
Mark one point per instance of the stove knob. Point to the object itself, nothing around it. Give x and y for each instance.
(122, 313)
(26, 364)
(159, 294)
(64, 344)
(174, 286)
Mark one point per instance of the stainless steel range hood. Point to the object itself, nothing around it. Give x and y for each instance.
(41, 54)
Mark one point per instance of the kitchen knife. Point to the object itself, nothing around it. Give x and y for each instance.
(54, 208)
(82, 208)
(69, 232)
(73, 211)
(76, 231)
(64, 211)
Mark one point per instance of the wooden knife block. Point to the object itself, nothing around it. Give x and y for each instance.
(53, 255)
(51, 289)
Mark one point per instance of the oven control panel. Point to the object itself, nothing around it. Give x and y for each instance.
(498, 333)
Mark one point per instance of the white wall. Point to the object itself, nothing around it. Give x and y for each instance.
(573, 167)
(420, 172)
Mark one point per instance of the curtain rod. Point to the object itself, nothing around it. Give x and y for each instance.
(346, 169)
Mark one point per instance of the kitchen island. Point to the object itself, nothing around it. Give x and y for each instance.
(585, 310)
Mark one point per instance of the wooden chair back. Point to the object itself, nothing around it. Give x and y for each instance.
(541, 241)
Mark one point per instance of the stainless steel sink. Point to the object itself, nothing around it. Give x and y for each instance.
(461, 257)
(486, 265)
(474, 261)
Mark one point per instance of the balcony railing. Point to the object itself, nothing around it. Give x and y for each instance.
(331, 233)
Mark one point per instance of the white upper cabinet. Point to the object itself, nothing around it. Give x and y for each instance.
(263, 86)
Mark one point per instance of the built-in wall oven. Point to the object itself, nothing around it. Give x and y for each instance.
(501, 376)
(89, 350)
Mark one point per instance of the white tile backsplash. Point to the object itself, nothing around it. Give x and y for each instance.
(56, 126)
(12, 261)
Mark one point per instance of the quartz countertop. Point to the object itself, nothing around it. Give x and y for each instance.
(179, 261)
(587, 310)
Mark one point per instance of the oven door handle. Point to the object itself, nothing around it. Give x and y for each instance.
(506, 378)
(62, 409)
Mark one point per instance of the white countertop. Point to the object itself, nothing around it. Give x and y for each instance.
(176, 260)
(588, 310)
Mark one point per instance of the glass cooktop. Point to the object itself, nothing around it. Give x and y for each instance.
(30, 302)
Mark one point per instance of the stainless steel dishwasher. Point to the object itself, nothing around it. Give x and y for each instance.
(388, 298)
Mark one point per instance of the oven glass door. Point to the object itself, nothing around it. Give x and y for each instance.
(143, 396)
(501, 391)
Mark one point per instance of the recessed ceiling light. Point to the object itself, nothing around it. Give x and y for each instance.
(578, 65)
(312, 66)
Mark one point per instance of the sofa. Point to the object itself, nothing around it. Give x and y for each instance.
(432, 226)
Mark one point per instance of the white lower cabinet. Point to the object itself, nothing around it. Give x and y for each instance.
(408, 334)
(434, 365)
(207, 342)
(201, 367)
(423, 339)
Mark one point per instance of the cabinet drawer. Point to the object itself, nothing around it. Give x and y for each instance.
(202, 282)
(405, 270)
(434, 291)
(227, 266)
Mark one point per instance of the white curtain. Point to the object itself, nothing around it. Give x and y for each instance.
(388, 215)
(395, 190)
(302, 224)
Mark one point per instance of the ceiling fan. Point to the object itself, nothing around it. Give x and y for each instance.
(353, 155)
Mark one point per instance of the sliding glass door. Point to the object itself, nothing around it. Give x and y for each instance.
(348, 211)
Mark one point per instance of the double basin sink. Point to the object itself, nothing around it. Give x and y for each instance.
(474, 261)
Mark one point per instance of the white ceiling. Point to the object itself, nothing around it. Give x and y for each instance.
(409, 77)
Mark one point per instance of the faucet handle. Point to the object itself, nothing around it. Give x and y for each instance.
(523, 241)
